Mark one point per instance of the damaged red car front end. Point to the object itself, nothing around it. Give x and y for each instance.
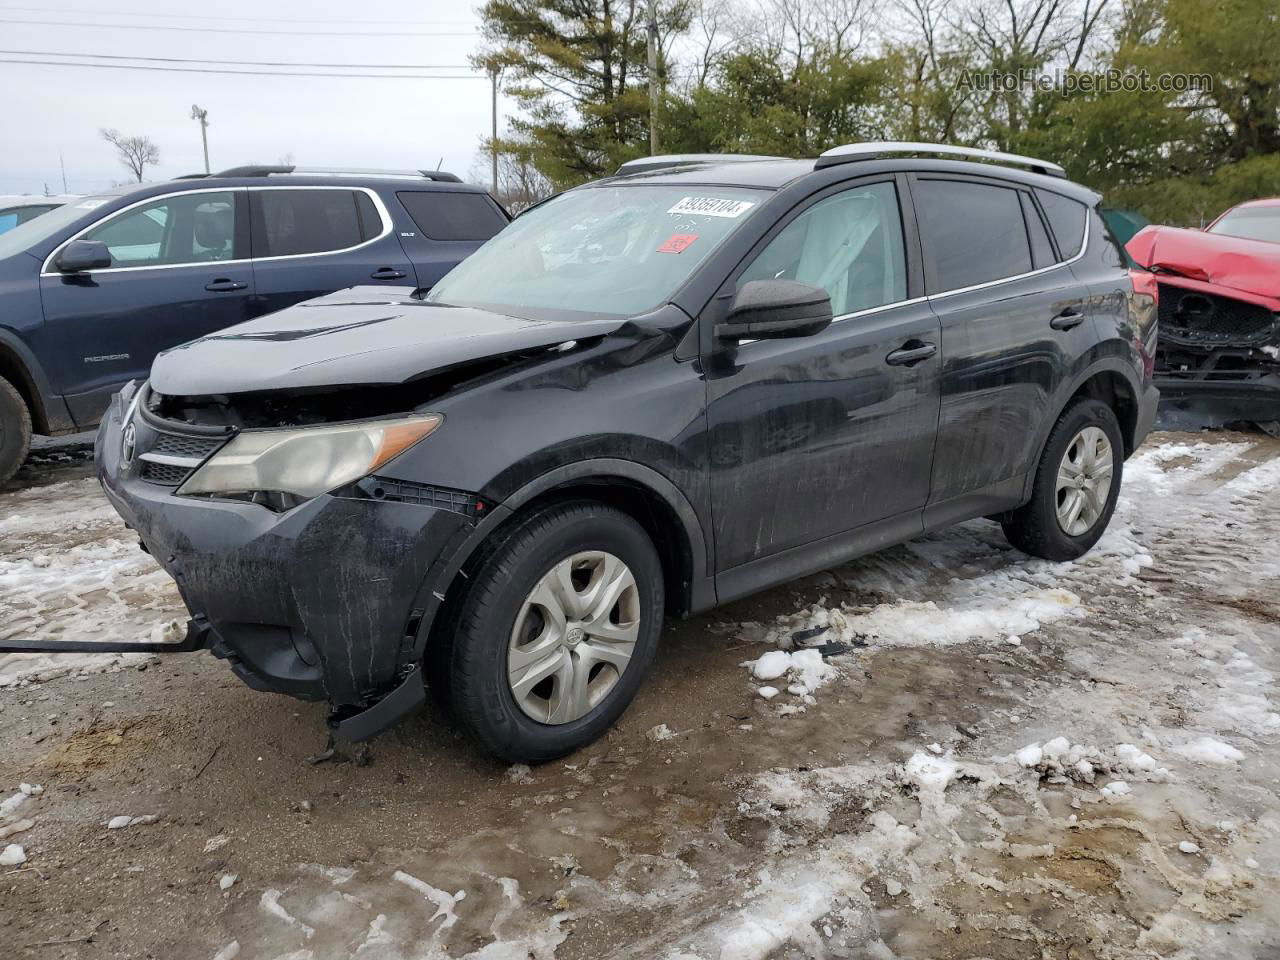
(1218, 358)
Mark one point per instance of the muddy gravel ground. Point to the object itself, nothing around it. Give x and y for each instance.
(998, 758)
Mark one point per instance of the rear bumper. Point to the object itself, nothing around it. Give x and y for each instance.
(1215, 403)
(321, 602)
(1147, 407)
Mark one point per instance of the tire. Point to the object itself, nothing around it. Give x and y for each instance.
(1036, 527)
(526, 696)
(15, 430)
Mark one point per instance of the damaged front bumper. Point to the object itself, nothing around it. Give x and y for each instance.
(1218, 356)
(328, 601)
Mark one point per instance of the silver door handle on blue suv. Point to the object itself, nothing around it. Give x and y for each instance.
(1067, 319)
(910, 353)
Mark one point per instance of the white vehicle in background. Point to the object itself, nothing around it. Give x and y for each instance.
(17, 210)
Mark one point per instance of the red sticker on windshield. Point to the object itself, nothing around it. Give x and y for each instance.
(677, 242)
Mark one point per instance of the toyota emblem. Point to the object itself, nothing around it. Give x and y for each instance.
(127, 443)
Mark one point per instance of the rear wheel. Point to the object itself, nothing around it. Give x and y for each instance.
(556, 633)
(1076, 486)
(15, 430)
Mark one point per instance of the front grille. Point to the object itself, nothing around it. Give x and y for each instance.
(191, 451)
(1192, 316)
(179, 446)
(164, 474)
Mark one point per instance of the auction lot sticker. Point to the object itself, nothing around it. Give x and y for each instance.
(712, 207)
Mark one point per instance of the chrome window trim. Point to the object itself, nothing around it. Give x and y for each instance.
(1084, 246)
(381, 207)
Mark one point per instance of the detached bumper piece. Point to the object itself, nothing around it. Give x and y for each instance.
(199, 636)
(406, 698)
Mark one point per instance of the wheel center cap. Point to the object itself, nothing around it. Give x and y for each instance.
(574, 636)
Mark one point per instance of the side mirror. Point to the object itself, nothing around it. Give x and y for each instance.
(776, 308)
(79, 256)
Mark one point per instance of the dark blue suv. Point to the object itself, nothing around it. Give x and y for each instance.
(92, 291)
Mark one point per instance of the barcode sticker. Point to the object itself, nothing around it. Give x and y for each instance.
(712, 207)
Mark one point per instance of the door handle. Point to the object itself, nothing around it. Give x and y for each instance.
(911, 353)
(387, 273)
(1067, 319)
(221, 284)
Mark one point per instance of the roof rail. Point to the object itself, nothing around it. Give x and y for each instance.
(873, 149)
(266, 170)
(642, 164)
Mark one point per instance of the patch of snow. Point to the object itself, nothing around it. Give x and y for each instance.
(767, 692)
(1209, 750)
(12, 855)
(660, 733)
(1186, 846)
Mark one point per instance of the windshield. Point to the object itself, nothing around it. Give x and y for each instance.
(616, 250)
(34, 232)
(1251, 223)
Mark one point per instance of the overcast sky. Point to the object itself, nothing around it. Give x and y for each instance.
(48, 111)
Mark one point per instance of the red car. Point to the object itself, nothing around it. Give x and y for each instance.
(1218, 291)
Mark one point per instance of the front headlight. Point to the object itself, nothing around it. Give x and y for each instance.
(308, 461)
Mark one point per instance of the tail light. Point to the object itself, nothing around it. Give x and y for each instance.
(1143, 311)
(1145, 286)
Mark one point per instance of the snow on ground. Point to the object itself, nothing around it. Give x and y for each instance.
(69, 570)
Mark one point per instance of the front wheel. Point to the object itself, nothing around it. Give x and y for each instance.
(1076, 486)
(15, 430)
(557, 632)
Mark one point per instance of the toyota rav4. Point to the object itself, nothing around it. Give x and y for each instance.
(647, 396)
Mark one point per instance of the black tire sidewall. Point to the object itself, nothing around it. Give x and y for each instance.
(1035, 527)
(15, 431)
(481, 694)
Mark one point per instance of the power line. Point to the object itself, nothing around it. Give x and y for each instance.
(190, 16)
(249, 73)
(242, 63)
(269, 33)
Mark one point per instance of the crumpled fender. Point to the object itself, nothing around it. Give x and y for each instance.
(1246, 269)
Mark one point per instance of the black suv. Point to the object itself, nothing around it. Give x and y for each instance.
(647, 396)
(92, 291)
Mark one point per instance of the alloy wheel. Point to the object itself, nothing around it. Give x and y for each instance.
(573, 637)
(1084, 481)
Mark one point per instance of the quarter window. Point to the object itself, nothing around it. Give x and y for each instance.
(850, 244)
(188, 228)
(1066, 220)
(453, 215)
(291, 222)
(972, 232)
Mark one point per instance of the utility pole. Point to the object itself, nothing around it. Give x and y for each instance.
(62, 163)
(493, 137)
(203, 117)
(653, 77)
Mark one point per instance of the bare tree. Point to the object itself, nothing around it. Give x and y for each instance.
(136, 153)
(520, 185)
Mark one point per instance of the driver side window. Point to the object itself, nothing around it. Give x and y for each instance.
(850, 244)
(188, 228)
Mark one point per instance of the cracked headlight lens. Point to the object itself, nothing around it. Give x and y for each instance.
(307, 461)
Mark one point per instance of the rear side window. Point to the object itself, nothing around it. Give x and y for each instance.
(1066, 220)
(972, 232)
(291, 222)
(442, 215)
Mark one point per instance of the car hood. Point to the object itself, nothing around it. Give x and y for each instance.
(1251, 266)
(356, 336)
